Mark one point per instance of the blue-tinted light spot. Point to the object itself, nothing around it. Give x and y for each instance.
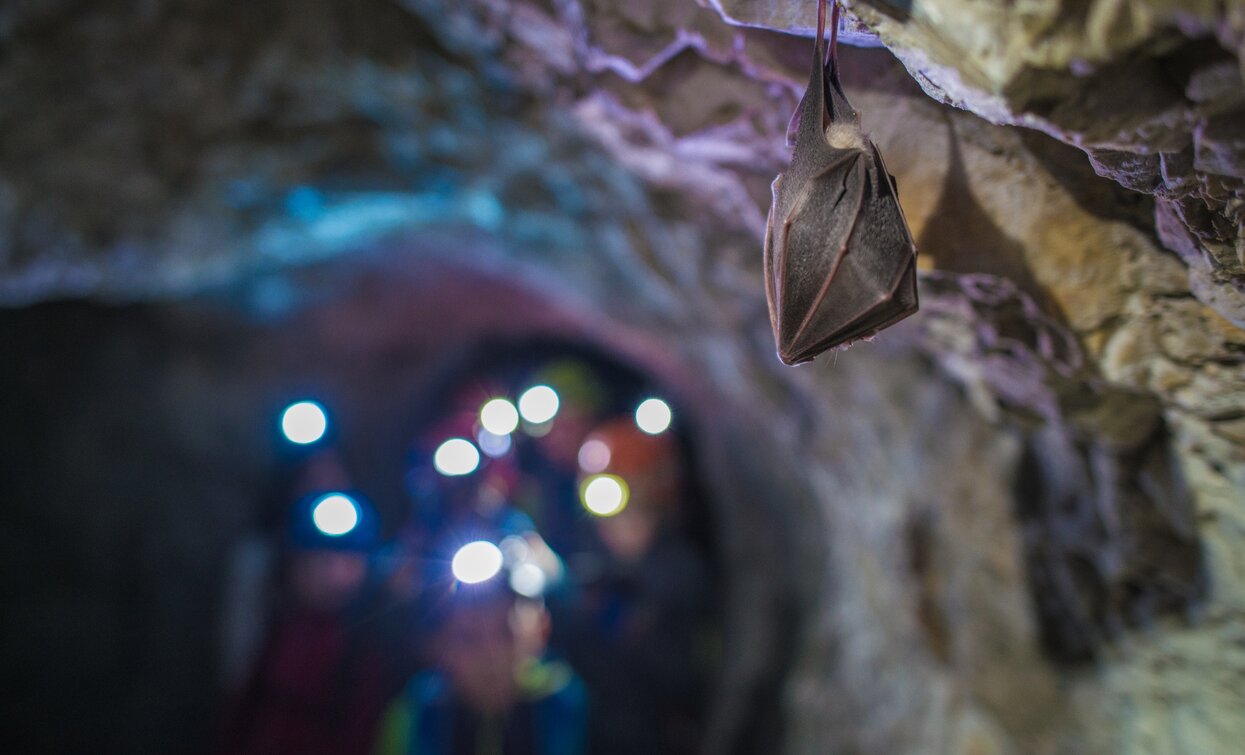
(304, 422)
(335, 514)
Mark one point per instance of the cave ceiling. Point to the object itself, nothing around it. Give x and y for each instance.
(158, 149)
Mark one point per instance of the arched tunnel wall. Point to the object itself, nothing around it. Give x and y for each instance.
(166, 426)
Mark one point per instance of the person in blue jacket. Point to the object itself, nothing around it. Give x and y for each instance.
(490, 692)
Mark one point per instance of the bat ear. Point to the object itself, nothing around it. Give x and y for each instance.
(793, 125)
(837, 107)
(810, 115)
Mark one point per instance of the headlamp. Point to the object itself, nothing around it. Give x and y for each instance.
(653, 416)
(304, 422)
(456, 457)
(476, 562)
(539, 404)
(335, 514)
(604, 494)
(499, 416)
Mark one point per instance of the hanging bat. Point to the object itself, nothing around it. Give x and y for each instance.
(840, 263)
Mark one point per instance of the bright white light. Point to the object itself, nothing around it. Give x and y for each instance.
(594, 456)
(499, 416)
(653, 416)
(304, 422)
(335, 514)
(492, 444)
(528, 580)
(455, 457)
(604, 494)
(476, 562)
(539, 404)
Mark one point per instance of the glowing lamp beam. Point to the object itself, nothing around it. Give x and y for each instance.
(304, 422)
(499, 417)
(456, 457)
(539, 404)
(653, 416)
(335, 514)
(476, 562)
(604, 494)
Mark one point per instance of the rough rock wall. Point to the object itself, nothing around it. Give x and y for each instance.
(623, 152)
(1061, 305)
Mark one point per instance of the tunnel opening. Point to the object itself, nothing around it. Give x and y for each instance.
(611, 484)
(739, 512)
(184, 458)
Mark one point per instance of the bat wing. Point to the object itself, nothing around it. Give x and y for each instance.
(811, 211)
(771, 294)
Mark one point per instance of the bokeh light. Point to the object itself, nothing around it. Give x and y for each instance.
(476, 562)
(499, 416)
(455, 457)
(528, 580)
(539, 404)
(604, 494)
(653, 416)
(335, 514)
(492, 444)
(594, 456)
(304, 422)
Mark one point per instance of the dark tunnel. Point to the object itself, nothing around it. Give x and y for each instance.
(169, 416)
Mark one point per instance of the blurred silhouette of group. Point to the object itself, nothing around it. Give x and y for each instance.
(546, 591)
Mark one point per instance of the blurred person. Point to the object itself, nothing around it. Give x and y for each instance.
(319, 683)
(253, 563)
(479, 486)
(549, 456)
(635, 629)
(582, 395)
(490, 692)
(479, 499)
